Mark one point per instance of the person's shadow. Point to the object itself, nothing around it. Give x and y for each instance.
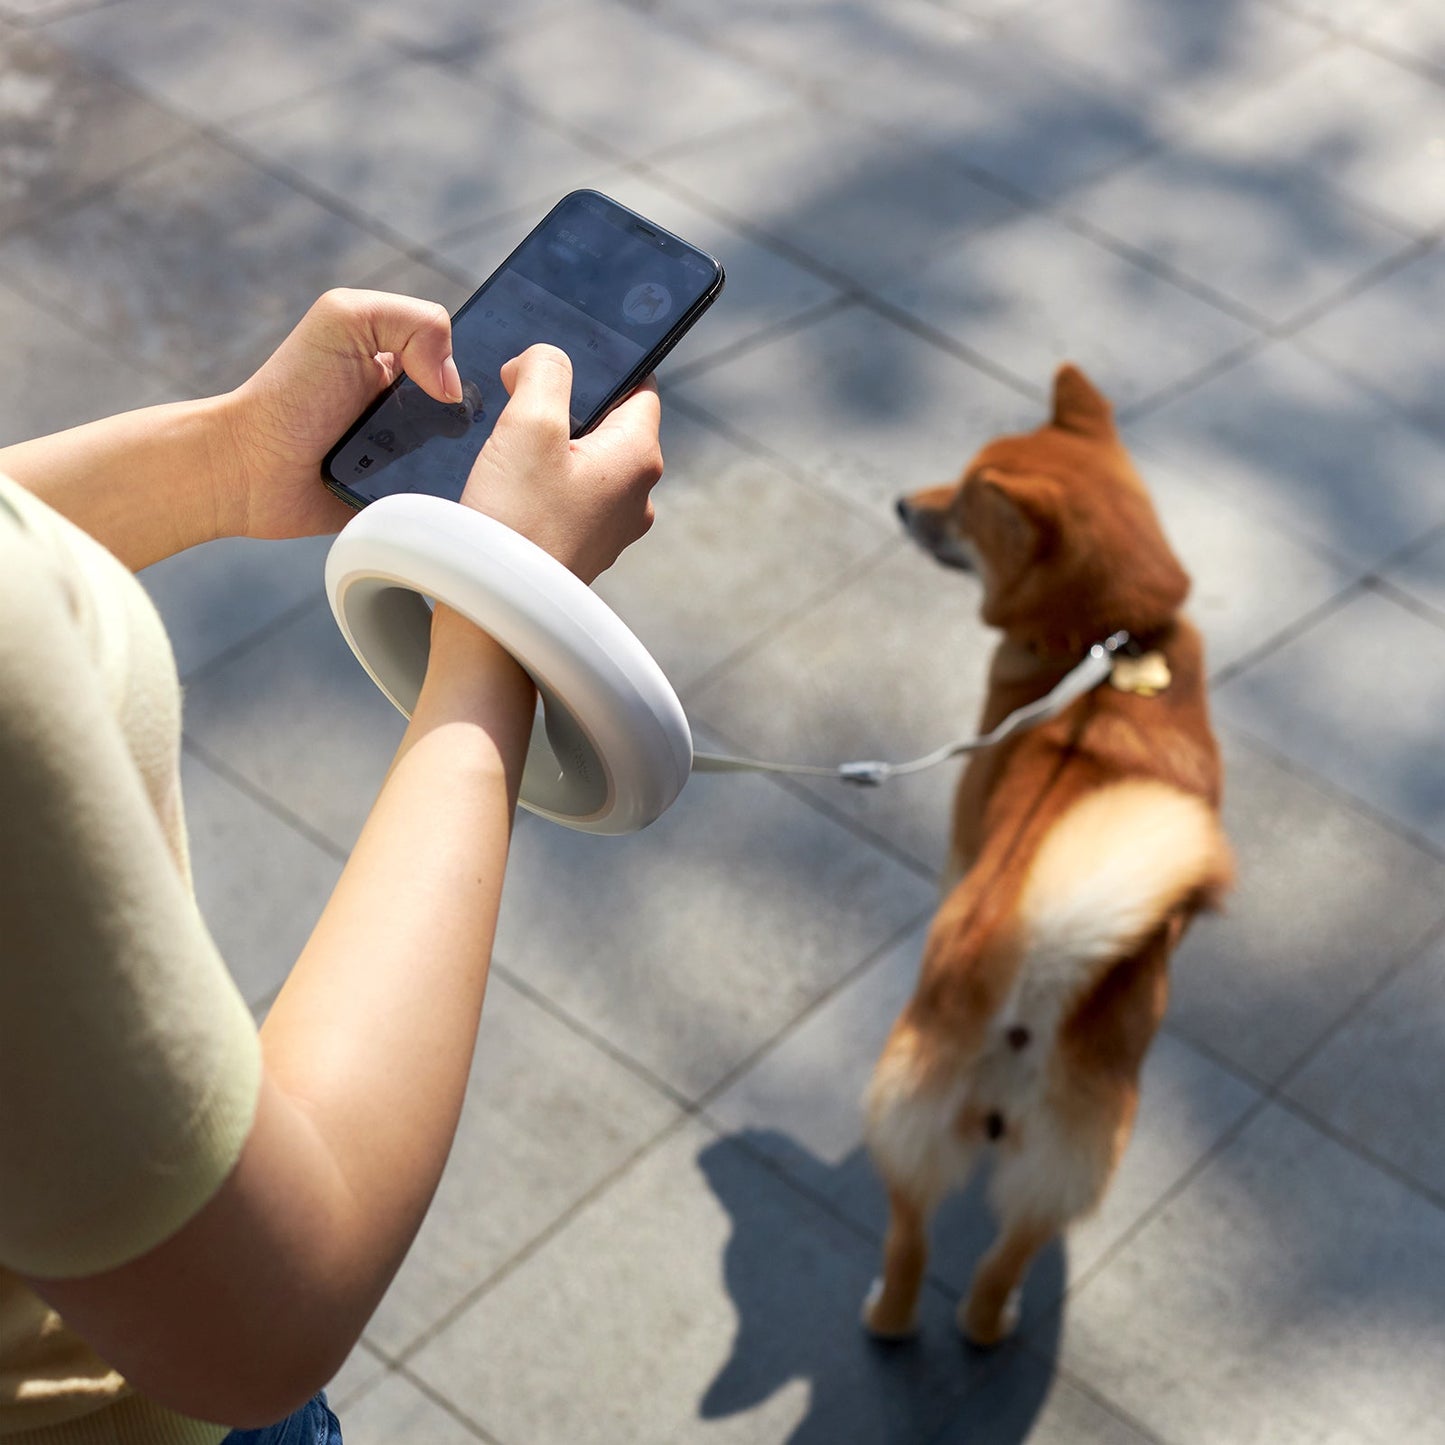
(797, 1269)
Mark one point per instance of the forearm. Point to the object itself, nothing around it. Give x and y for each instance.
(146, 484)
(374, 1032)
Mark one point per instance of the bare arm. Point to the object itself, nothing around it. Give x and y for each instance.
(254, 1303)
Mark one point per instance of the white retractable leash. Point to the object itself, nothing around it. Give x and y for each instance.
(611, 747)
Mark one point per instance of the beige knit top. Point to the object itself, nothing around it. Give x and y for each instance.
(129, 1063)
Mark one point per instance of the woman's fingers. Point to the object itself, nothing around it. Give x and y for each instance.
(415, 335)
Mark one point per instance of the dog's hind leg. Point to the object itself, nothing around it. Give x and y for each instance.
(891, 1309)
(991, 1310)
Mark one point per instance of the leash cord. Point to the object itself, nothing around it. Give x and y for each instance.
(1084, 677)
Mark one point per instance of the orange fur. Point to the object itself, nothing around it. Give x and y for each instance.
(1081, 851)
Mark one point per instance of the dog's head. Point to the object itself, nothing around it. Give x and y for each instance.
(1059, 528)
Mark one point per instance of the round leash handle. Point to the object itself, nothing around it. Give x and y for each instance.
(611, 748)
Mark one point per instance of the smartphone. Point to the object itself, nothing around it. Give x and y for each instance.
(614, 290)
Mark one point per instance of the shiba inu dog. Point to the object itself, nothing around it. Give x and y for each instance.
(1081, 852)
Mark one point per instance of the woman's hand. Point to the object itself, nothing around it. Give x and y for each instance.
(583, 501)
(282, 422)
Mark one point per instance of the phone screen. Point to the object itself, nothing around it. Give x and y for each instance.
(611, 289)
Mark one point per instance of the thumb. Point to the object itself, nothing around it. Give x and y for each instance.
(540, 384)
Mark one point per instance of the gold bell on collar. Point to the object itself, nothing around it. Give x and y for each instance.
(1145, 676)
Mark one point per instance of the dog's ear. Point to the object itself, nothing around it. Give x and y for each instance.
(1079, 406)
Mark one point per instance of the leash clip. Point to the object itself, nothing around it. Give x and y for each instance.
(865, 774)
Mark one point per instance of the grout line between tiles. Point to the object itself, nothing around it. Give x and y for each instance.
(1291, 632)
(263, 799)
(584, 1031)
(1326, 785)
(252, 640)
(1236, 356)
(1407, 600)
(539, 1241)
(1421, 245)
(815, 482)
(763, 337)
(854, 572)
(1352, 36)
(447, 1405)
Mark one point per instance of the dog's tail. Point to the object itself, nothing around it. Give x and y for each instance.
(1114, 868)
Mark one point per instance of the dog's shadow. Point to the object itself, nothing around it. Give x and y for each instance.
(797, 1268)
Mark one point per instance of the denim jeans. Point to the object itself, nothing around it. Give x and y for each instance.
(312, 1424)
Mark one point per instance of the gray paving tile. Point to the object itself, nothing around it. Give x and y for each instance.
(763, 290)
(215, 64)
(53, 376)
(799, 1106)
(1032, 293)
(619, 1329)
(817, 41)
(1377, 337)
(1177, 60)
(1026, 1400)
(633, 81)
(1327, 900)
(1292, 1293)
(1357, 700)
(1045, 131)
(738, 545)
(298, 719)
(1251, 580)
(196, 265)
(865, 204)
(396, 1410)
(547, 1117)
(1259, 230)
(66, 128)
(217, 595)
(1378, 1080)
(892, 667)
(1289, 438)
(1368, 124)
(862, 404)
(690, 945)
(261, 884)
(933, 73)
(451, 153)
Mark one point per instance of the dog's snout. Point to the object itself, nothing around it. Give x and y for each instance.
(905, 512)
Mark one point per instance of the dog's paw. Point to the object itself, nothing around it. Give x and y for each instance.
(884, 1324)
(985, 1325)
